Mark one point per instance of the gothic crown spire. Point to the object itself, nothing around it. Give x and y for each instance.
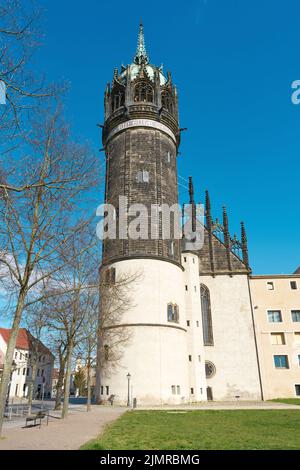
(141, 56)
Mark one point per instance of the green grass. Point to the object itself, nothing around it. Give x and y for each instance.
(288, 401)
(199, 430)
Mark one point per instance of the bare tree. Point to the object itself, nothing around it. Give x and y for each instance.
(36, 225)
(75, 283)
(87, 339)
(37, 324)
(60, 348)
(19, 38)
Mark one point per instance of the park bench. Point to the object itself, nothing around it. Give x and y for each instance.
(37, 418)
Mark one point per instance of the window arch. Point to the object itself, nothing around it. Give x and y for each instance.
(173, 313)
(208, 338)
(166, 100)
(143, 92)
(117, 99)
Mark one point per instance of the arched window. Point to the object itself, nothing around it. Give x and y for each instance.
(143, 92)
(106, 352)
(208, 338)
(173, 313)
(166, 101)
(117, 99)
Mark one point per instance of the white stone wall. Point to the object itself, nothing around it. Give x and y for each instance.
(20, 379)
(156, 355)
(196, 366)
(234, 352)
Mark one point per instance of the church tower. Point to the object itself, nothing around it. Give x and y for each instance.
(141, 136)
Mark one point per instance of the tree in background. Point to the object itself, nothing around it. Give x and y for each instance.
(41, 223)
(80, 381)
(19, 39)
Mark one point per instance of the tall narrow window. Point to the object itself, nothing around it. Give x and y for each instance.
(171, 248)
(117, 99)
(173, 313)
(208, 338)
(143, 92)
(166, 101)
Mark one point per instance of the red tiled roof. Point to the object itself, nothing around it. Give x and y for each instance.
(25, 340)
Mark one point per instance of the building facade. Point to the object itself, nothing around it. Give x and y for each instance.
(191, 326)
(29, 353)
(276, 303)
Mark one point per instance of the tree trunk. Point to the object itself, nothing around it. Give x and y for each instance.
(65, 409)
(31, 386)
(88, 383)
(60, 383)
(98, 370)
(7, 366)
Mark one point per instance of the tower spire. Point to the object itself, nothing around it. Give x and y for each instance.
(227, 238)
(192, 203)
(244, 246)
(209, 229)
(141, 53)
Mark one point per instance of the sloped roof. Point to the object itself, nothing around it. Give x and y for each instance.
(25, 340)
(297, 271)
(220, 260)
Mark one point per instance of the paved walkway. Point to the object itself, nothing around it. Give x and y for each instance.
(68, 434)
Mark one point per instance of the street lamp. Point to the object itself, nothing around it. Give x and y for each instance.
(12, 370)
(128, 394)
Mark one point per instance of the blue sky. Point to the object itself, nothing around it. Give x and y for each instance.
(233, 63)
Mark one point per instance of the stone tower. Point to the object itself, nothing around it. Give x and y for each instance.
(141, 136)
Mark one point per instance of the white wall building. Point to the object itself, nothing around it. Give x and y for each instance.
(23, 361)
(191, 325)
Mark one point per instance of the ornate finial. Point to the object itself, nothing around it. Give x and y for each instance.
(207, 203)
(227, 238)
(141, 56)
(225, 220)
(244, 245)
(192, 202)
(210, 234)
(191, 190)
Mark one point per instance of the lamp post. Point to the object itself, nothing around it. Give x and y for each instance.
(128, 393)
(12, 370)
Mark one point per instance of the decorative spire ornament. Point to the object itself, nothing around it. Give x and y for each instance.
(209, 229)
(244, 246)
(192, 203)
(227, 238)
(141, 56)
